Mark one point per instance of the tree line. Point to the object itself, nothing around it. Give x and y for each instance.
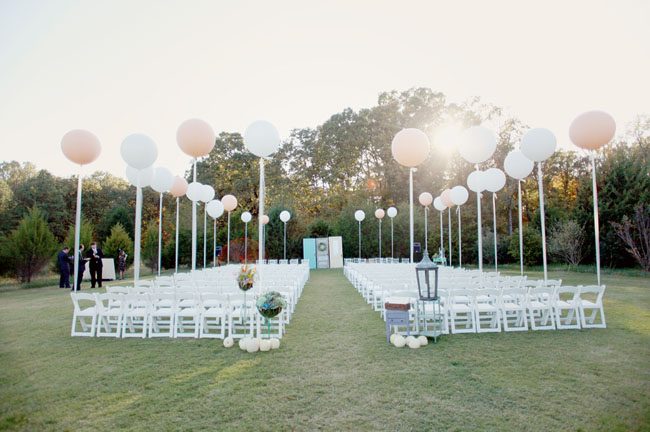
(323, 174)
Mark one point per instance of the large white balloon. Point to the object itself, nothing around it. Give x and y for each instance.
(495, 179)
(359, 215)
(459, 195)
(380, 213)
(538, 144)
(139, 151)
(215, 208)
(410, 147)
(517, 165)
(207, 193)
(425, 198)
(194, 191)
(285, 216)
(246, 217)
(262, 138)
(476, 181)
(163, 180)
(438, 204)
(391, 212)
(140, 178)
(477, 144)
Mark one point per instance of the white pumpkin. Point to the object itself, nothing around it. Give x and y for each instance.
(392, 337)
(414, 344)
(275, 343)
(423, 340)
(242, 343)
(409, 339)
(399, 341)
(253, 345)
(228, 342)
(265, 345)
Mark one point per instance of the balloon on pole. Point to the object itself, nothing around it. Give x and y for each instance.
(538, 145)
(477, 144)
(207, 194)
(590, 131)
(495, 181)
(229, 204)
(262, 139)
(391, 212)
(445, 196)
(285, 216)
(139, 152)
(215, 210)
(425, 200)
(162, 182)
(195, 138)
(410, 147)
(379, 214)
(80, 147)
(359, 215)
(178, 189)
(459, 196)
(440, 206)
(246, 217)
(519, 167)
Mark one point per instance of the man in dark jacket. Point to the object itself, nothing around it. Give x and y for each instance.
(63, 261)
(95, 264)
(81, 267)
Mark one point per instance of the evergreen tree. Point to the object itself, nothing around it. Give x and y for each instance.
(31, 245)
(118, 239)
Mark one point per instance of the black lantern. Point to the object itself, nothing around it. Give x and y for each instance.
(423, 274)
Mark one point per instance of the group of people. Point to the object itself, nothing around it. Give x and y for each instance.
(94, 258)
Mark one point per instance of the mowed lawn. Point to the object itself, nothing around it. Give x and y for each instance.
(334, 371)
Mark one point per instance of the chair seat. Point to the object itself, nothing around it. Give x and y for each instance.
(484, 307)
(166, 311)
(538, 305)
(589, 304)
(89, 311)
(460, 308)
(513, 306)
(188, 312)
(214, 311)
(136, 312)
(564, 304)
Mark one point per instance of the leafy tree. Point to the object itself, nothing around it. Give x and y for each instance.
(117, 215)
(319, 228)
(566, 242)
(532, 246)
(118, 239)
(86, 234)
(635, 234)
(31, 245)
(149, 251)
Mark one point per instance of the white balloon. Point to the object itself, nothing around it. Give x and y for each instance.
(214, 208)
(262, 138)
(477, 144)
(138, 177)
(459, 195)
(246, 217)
(139, 151)
(163, 179)
(410, 147)
(391, 212)
(438, 204)
(207, 193)
(359, 215)
(425, 198)
(495, 179)
(285, 216)
(538, 144)
(517, 165)
(380, 213)
(475, 181)
(194, 191)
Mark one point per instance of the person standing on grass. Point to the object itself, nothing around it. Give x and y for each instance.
(63, 261)
(81, 267)
(121, 263)
(95, 265)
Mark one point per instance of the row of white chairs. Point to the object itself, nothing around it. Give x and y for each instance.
(484, 303)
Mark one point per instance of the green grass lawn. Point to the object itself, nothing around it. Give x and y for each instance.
(334, 371)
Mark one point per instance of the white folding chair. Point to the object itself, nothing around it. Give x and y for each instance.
(514, 303)
(591, 299)
(187, 315)
(109, 314)
(242, 315)
(214, 315)
(84, 309)
(461, 313)
(162, 314)
(566, 305)
(540, 308)
(487, 313)
(136, 315)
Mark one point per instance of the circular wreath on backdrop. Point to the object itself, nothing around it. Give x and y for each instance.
(322, 247)
(270, 304)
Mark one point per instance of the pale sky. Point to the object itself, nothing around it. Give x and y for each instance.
(118, 67)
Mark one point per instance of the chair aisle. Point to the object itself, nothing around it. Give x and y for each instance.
(200, 304)
(475, 302)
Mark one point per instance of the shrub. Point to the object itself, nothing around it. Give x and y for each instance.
(566, 242)
(31, 245)
(532, 246)
(118, 239)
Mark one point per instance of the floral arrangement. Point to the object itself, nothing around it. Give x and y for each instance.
(270, 304)
(246, 277)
